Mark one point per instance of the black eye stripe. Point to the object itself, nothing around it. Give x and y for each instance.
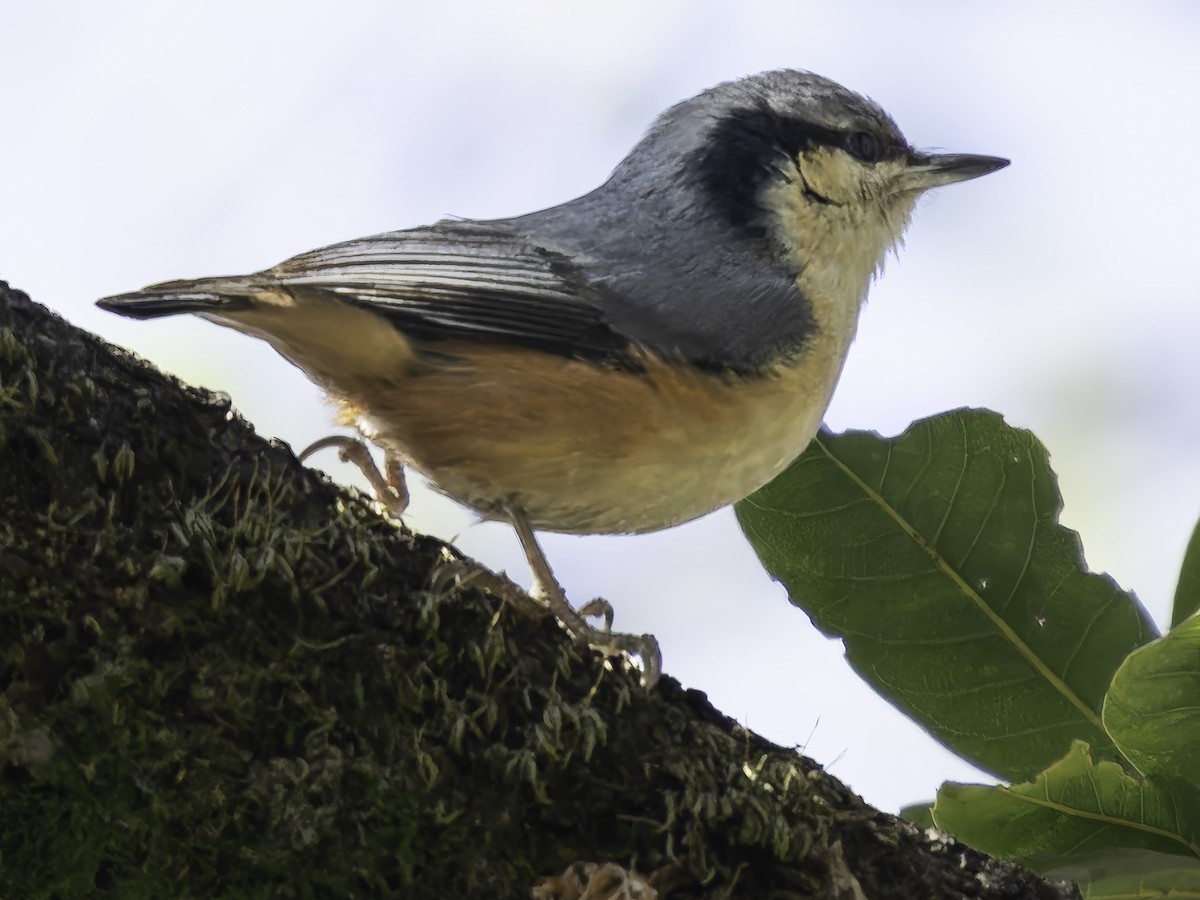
(865, 146)
(746, 146)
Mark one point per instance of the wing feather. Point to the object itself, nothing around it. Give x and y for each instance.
(465, 280)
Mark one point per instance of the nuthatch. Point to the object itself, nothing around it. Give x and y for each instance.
(631, 359)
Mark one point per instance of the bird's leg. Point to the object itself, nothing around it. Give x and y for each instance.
(390, 490)
(547, 588)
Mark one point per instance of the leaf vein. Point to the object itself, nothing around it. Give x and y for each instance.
(1005, 629)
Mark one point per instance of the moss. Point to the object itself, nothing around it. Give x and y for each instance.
(229, 686)
(222, 676)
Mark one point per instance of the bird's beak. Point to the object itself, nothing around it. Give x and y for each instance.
(930, 170)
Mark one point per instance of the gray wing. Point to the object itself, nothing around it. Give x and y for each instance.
(567, 281)
(465, 280)
(454, 279)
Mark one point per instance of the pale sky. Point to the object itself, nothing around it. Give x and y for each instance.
(146, 141)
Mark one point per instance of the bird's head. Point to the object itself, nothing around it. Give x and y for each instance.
(797, 158)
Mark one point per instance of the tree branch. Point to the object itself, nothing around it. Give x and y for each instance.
(223, 675)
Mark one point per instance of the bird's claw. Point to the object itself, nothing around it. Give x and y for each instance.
(595, 607)
(390, 489)
(605, 640)
(460, 574)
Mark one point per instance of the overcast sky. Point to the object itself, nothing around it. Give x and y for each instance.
(147, 140)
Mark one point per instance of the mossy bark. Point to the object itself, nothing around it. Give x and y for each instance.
(222, 675)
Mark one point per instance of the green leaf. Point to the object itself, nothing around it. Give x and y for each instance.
(919, 814)
(1076, 805)
(1152, 709)
(1130, 875)
(1187, 592)
(938, 558)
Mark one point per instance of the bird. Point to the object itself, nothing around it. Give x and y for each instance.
(626, 361)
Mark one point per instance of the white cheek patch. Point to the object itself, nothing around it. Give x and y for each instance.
(837, 246)
(831, 174)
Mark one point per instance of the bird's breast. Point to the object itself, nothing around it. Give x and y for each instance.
(583, 448)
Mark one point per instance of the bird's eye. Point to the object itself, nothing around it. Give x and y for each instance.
(865, 146)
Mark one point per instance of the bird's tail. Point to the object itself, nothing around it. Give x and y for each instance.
(202, 295)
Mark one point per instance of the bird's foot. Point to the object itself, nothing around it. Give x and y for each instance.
(547, 589)
(390, 489)
(464, 574)
(597, 607)
(609, 643)
(539, 603)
